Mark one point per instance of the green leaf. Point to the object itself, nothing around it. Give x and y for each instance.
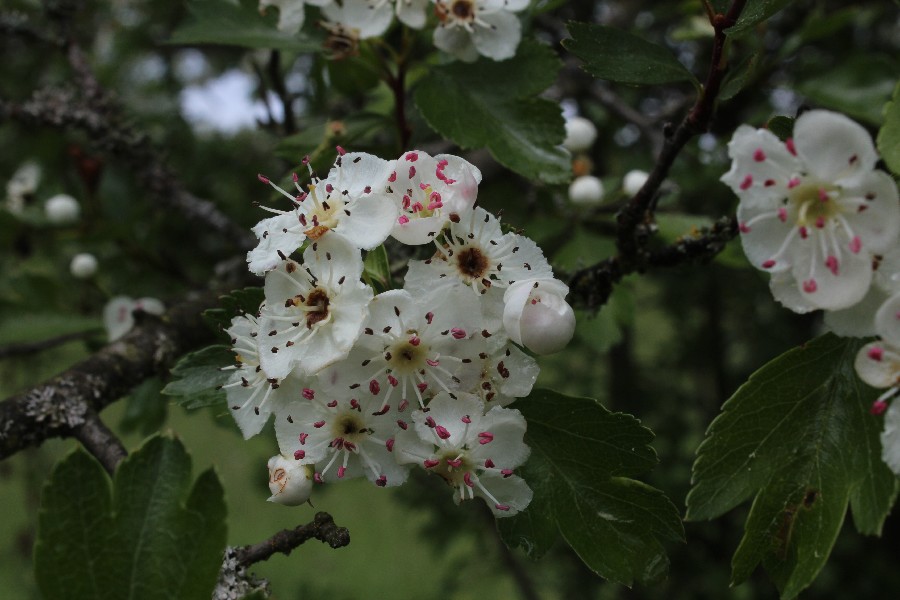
(859, 86)
(495, 105)
(149, 537)
(377, 269)
(616, 55)
(889, 134)
(756, 11)
(582, 458)
(783, 127)
(145, 410)
(239, 24)
(739, 77)
(799, 437)
(233, 304)
(74, 531)
(197, 377)
(318, 141)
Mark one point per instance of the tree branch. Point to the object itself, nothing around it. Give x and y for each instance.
(322, 528)
(61, 405)
(97, 439)
(26, 348)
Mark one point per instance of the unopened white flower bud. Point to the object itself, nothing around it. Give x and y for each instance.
(634, 181)
(62, 209)
(586, 190)
(536, 315)
(580, 134)
(289, 481)
(83, 266)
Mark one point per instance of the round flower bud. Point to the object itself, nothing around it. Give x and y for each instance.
(580, 134)
(289, 481)
(586, 190)
(634, 181)
(62, 209)
(83, 266)
(536, 315)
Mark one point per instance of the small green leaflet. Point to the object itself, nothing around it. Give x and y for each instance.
(377, 269)
(756, 11)
(782, 127)
(799, 439)
(197, 377)
(147, 534)
(233, 304)
(616, 55)
(494, 105)
(239, 24)
(582, 460)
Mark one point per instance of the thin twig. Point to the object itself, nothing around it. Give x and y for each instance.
(28, 348)
(97, 439)
(322, 528)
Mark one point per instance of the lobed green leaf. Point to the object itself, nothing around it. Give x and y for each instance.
(582, 458)
(799, 437)
(493, 105)
(616, 55)
(197, 377)
(148, 536)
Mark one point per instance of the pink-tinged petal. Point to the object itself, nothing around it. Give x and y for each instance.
(887, 320)
(832, 146)
(418, 231)
(878, 364)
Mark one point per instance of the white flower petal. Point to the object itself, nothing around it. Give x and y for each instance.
(501, 38)
(878, 364)
(878, 223)
(832, 146)
(831, 285)
(280, 233)
(890, 438)
(289, 481)
(859, 319)
(455, 41)
(887, 320)
(761, 166)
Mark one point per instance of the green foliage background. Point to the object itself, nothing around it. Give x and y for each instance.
(670, 347)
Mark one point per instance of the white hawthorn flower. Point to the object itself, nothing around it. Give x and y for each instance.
(430, 191)
(83, 266)
(118, 314)
(345, 437)
(633, 181)
(580, 134)
(290, 12)
(859, 320)
(360, 18)
(62, 209)
(412, 347)
(468, 28)
(475, 453)
(313, 311)
(537, 316)
(586, 190)
(350, 203)
(252, 395)
(813, 211)
(290, 481)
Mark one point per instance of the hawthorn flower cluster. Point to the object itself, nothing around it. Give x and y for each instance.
(465, 29)
(366, 384)
(818, 216)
